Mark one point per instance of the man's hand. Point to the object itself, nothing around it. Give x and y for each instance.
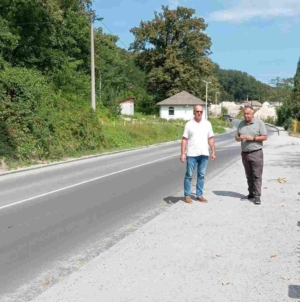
(249, 138)
(245, 138)
(182, 158)
(213, 156)
(238, 138)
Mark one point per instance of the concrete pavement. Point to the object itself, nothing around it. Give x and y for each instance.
(226, 250)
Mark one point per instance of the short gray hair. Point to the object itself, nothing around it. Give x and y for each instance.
(248, 106)
(197, 106)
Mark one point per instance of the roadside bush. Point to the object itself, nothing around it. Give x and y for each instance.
(220, 122)
(24, 106)
(224, 110)
(75, 132)
(36, 123)
(270, 120)
(288, 124)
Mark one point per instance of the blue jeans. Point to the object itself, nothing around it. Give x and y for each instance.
(191, 163)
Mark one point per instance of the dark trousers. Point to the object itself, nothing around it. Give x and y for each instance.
(253, 164)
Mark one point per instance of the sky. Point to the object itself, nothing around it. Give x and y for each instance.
(260, 37)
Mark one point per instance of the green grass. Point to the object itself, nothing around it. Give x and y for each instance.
(220, 122)
(120, 135)
(124, 135)
(270, 120)
(240, 115)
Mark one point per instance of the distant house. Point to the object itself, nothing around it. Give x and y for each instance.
(266, 104)
(180, 106)
(253, 103)
(127, 106)
(232, 108)
(276, 104)
(266, 113)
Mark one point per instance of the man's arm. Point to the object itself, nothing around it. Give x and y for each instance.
(211, 143)
(250, 138)
(261, 138)
(183, 148)
(263, 134)
(238, 138)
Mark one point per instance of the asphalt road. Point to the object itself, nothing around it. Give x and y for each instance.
(55, 219)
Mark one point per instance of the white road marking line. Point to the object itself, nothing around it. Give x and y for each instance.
(83, 182)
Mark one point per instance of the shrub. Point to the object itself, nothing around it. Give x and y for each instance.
(24, 106)
(36, 123)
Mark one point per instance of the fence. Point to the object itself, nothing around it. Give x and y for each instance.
(296, 126)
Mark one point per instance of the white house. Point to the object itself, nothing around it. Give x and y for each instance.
(180, 106)
(232, 108)
(127, 107)
(254, 104)
(265, 113)
(266, 105)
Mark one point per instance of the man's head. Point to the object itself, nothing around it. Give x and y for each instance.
(198, 111)
(248, 113)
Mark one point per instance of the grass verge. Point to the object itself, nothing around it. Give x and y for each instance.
(120, 135)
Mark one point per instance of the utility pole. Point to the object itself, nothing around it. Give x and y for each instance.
(93, 89)
(92, 15)
(216, 102)
(206, 112)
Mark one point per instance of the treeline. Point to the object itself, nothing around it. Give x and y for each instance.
(237, 86)
(45, 79)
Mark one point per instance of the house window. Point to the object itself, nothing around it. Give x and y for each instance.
(171, 110)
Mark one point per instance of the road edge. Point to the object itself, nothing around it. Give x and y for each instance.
(35, 167)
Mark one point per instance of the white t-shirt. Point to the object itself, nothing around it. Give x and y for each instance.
(198, 135)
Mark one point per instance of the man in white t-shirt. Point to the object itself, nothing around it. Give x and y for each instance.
(197, 137)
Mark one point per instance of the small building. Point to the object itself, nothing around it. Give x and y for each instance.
(266, 113)
(180, 106)
(252, 103)
(127, 106)
(266, 105)
(232, 108)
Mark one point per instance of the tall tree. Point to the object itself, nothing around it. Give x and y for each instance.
(290, 108)
(281, 89)
(295, 100)
(173, 50)
(120, 77)
(49, 33)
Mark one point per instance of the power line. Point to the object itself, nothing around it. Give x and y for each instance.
(114, 34)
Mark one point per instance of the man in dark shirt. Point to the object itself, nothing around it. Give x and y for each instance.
(251, 133)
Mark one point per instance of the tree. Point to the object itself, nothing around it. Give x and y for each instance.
(49, 33)
(281, 89)
(172, 49)
(8, 41)
(120, 77)
(295, 100)
(238, 85)
(290, 109)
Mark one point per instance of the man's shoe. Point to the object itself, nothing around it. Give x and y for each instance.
(188, 199)
(257, 200)
(202, 199)
(248, 197)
